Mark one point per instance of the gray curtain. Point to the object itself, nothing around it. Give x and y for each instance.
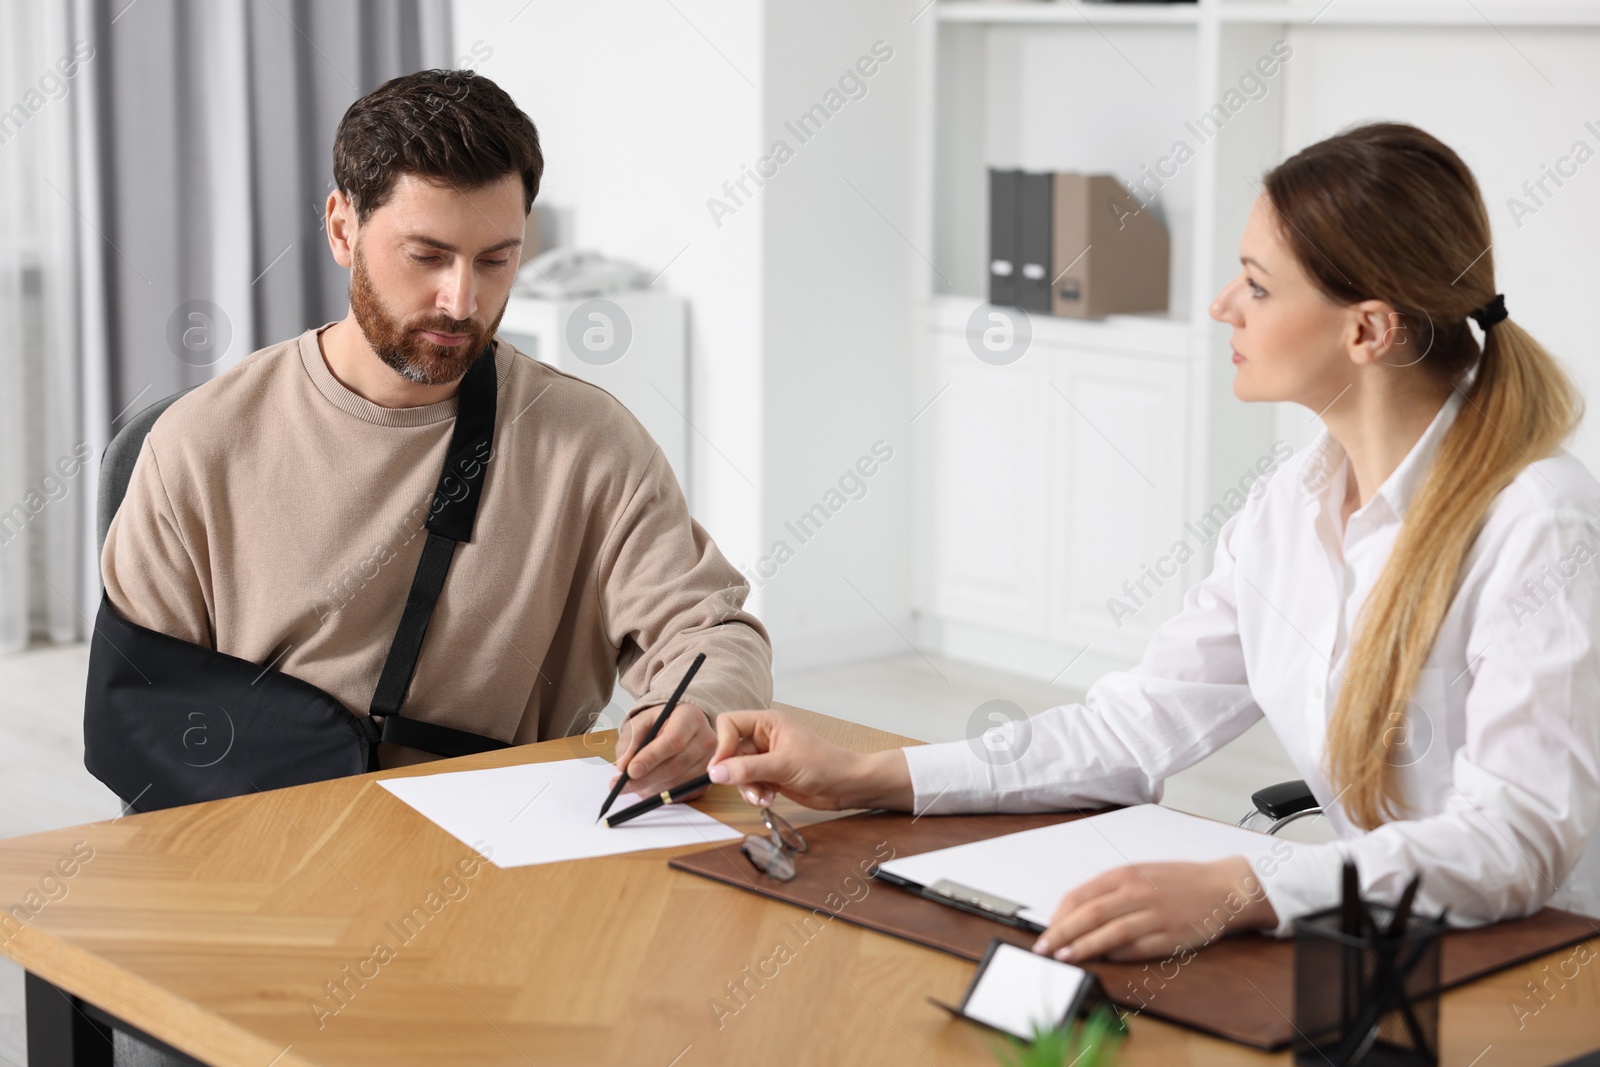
(216, 133)
(45, 366)
(163, 165)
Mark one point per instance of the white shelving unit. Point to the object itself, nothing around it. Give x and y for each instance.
(1048, 483)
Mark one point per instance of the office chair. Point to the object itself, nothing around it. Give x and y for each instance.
(116, 465)
(116, 468)
(1283, 803)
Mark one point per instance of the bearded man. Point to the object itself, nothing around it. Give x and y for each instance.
(277, 512)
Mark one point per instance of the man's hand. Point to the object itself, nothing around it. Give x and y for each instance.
(1156, 909)
(678, 753)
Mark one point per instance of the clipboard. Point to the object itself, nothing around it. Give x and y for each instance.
(1237, 988)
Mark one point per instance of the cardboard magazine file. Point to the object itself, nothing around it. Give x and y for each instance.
(1110, 254)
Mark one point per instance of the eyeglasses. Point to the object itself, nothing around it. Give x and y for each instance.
(774, 854)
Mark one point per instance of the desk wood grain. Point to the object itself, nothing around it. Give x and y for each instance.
(247, 932)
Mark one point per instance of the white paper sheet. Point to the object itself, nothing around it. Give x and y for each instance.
(1036, 867)
(1020, 990)
(545, 812)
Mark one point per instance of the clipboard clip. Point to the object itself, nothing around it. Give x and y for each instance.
(976, 898)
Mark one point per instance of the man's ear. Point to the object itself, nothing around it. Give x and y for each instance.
(339, 217)
(1376, 332)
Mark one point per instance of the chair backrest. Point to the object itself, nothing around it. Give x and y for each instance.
(116, 466)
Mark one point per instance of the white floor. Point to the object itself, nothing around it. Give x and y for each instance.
(43, 784)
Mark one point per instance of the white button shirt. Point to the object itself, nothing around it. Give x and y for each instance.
(1499, 766)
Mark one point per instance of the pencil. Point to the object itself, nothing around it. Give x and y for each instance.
(655, 728)
(669, 796)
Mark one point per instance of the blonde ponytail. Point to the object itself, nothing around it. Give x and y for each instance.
(1519, 408)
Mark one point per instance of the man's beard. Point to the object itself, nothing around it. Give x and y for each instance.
(402, 346)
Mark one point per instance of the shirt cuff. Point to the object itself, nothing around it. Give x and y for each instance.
(949, 778)
(1308, 879)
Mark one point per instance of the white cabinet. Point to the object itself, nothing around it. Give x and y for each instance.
(990, 456)
(1054, 480)
(1117, 434)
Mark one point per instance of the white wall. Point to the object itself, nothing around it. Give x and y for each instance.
(642, 113)
(838, 275)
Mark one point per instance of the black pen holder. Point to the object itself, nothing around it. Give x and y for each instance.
(1369, 999)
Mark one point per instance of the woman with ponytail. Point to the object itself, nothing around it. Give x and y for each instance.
(1412, 601)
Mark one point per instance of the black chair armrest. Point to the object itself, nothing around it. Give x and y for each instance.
(1284, 799)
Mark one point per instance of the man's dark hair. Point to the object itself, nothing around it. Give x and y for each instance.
(449, 126)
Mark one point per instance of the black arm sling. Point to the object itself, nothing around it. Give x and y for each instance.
(167, 722)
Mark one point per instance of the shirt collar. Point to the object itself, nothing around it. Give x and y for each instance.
(1326, 457)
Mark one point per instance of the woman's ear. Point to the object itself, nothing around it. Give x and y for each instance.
(1377, 332)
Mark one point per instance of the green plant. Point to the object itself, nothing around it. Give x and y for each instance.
(1091, 1043)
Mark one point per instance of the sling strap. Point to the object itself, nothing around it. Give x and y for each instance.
(450, 521)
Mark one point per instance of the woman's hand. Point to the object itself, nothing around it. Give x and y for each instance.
(766, 752)
(1156, 909)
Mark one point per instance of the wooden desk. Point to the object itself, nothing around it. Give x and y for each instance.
(214, 928)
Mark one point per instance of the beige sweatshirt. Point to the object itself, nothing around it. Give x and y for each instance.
(278, 516)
